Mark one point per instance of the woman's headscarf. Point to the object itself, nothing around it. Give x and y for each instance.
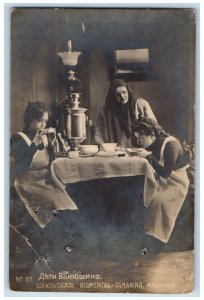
(123, 112)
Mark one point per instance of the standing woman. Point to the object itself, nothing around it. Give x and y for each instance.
(169, 161)
(33, 153)
(122, 108)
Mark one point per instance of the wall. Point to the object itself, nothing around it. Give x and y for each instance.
(99, 82)
(33, 63)
(171, 95)
(37, 36)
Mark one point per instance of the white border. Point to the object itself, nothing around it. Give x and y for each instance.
(5, 120)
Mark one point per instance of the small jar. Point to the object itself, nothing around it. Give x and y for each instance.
(73, 154)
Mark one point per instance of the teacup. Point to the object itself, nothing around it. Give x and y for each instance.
(108, 147)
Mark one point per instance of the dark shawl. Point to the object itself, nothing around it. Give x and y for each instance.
(125, 113)
(115, 120)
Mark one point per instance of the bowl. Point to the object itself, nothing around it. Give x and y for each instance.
(109, 147)
(88, 149)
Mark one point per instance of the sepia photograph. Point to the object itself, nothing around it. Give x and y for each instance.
(102, 150)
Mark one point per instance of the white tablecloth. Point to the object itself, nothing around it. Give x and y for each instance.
(66, 170)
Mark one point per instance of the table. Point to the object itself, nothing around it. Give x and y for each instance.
(65, 170)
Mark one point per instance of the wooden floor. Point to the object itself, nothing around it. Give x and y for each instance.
(91, 254)
(116, 267)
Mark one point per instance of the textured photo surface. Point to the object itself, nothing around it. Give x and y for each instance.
(117, 216)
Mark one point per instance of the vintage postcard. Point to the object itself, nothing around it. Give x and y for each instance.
(102, 150)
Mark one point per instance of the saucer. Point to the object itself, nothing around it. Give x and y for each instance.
(61, 154)
(86, 155)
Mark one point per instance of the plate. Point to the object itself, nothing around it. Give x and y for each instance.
(61, 155)
(132, 151)
(86, 155)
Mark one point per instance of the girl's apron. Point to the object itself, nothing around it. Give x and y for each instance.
(169, 196)
(36, 189)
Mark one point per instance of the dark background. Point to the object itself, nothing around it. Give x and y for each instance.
(37, 35)
(106, 235)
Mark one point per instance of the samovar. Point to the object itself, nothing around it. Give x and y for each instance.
(72, 117)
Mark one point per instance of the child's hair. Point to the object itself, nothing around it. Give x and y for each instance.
(148, 126)
(34, 111)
